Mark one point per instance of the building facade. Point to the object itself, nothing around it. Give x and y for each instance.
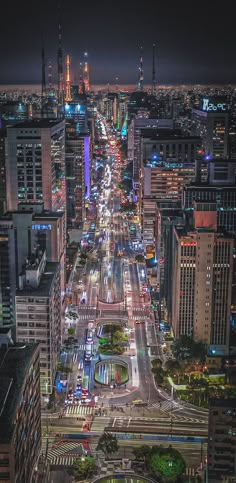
(211, 123)
(221, 459)
(202, 282)
(22, 232)
(35, 167)
(20, 412)
(38, 315)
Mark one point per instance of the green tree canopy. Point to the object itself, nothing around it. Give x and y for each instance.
(107, 443)
(84, 467)
(166, 462)
(156, 363)
(71, 331)
(187, 349)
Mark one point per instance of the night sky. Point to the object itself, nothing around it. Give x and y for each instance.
(196, 43)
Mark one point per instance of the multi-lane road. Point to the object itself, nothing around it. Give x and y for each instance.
(113, 292)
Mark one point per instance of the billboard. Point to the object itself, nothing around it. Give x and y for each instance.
(213, 104)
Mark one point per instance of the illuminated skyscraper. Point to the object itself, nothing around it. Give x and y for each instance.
(86, 73)
(202, 281)
(211, 122)
(35, 165)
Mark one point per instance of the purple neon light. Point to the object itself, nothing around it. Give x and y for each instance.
(86, 165)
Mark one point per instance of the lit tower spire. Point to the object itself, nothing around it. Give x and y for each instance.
(86, 73)
(60, 77)
(68, 82)
(154, 83)
(140, 80)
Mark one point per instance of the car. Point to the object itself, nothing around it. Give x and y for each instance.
(137, 321)
(137, 401)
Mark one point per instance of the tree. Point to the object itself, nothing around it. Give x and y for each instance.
(119, 337)
(173, 367)
(107, 443)
(139, 258)
(142, 452)
(71, 331)
(187, 349)
(156, 363)
(166, 462)
(84, 467)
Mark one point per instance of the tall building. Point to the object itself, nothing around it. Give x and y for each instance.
(219, 189)
(38, 314)
(35, 167)
(221, 461)
(134, 134)
(78, 174)
(21, 233)
(168, 163)
(211, 123)
(202, 281)
(168, 215)
(3, 197)
(20, 413)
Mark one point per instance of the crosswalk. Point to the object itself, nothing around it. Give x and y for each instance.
(75, 410)
(139, 309)
(64, 453)
(141, 317)
(167, 406)
(84, 317)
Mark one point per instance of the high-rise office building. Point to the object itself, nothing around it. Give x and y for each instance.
(22, 232)
(35, 167)
(78, 174)
(211, 123)
(202, 281)
(168, 163)
(3, 197)
(20, 414)
(38, 314)
(219, 189)
(168, 215)
(134, 134)
(221, 461)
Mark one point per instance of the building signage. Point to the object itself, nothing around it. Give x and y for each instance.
(208, 105)
(41, 227)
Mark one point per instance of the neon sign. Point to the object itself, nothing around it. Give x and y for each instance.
(41, 227)
(207, 105)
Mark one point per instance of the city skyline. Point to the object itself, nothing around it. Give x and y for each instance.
(188, 49)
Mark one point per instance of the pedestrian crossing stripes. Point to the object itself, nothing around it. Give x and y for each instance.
(134, 317)
(74, 410)
(167, 406)
(139, 309)
(65, 453)
(84, 317)
(81, 347)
